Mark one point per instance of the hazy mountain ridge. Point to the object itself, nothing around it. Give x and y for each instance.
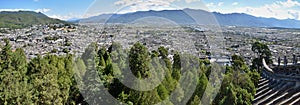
(21, 19)
(183, 17)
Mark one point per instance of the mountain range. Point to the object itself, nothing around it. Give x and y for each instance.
(193, 16)
(21, 19)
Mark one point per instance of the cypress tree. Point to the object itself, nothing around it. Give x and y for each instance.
(139, 60)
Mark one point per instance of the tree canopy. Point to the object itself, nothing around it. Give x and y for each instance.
(52, 79)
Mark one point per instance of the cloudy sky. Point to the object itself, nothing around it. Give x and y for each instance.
(69, 9)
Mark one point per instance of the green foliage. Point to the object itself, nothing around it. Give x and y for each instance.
(67, 42)
(239, 64)
(54, 51)
(162, 92)
(154, 54)
(23, 19)
(238, 85)
(51, 78)
(60, 80)
(144, 98)
(196, 101)
(92, 83)
(139, 60)
(65, 50)
(255, 76)
(176, 73)
(53, 38)
(89, 53)
(6, 54)
(163, 52)
(14, 87)
(263, 51)
(44, 80)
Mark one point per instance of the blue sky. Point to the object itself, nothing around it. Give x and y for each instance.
(68, 9)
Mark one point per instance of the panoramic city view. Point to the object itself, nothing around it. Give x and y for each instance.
(149, 52)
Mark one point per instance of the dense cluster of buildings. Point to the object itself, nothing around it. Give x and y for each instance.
(216, 43)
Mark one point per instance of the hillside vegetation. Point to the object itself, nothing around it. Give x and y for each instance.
(23, 19)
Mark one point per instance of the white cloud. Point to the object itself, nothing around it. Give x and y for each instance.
(67, 17)
(144, 5)
(280, 10)
(18, 9)
(126, 2)
(43, 10)
(220, 3)
(294, 14)
(130, 2)
(189, 1)
(210, 4)
(214, 5)
(235, 3)
(289, 3)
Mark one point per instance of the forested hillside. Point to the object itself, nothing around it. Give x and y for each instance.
(23, 19)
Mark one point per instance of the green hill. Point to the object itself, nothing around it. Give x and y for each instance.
(23, 19)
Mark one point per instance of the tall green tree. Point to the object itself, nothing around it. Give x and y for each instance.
(263, 52)
(139, 60)
(14, 86)
(6, 54)
(176, 73)
(163, 52)
(44, 80)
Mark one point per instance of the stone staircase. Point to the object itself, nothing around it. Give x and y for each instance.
(272, 91)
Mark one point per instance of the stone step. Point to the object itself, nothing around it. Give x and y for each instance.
(290, 100)
(296, 102)
(283, 97)
(262, 87)
(264, 100)
(261, 91)
(293, 95)
(258, 93)
(277, 98)
(266, 97)
(282, 94)
(264, 93)
(282, 91)
(262, 79)
(262, 83)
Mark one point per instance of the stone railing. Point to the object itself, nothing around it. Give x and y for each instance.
(271, 74)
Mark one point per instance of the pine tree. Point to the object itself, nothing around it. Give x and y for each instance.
(163, 92)
(139, 60)
(14, 88)
(6, 54)
(163, 52)
(196, 101)
(44, 80)
(176, 73)
(75, 96)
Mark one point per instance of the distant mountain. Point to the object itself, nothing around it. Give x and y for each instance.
(241, 19)
(22, 19)
(73, 20)
(190, 16)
